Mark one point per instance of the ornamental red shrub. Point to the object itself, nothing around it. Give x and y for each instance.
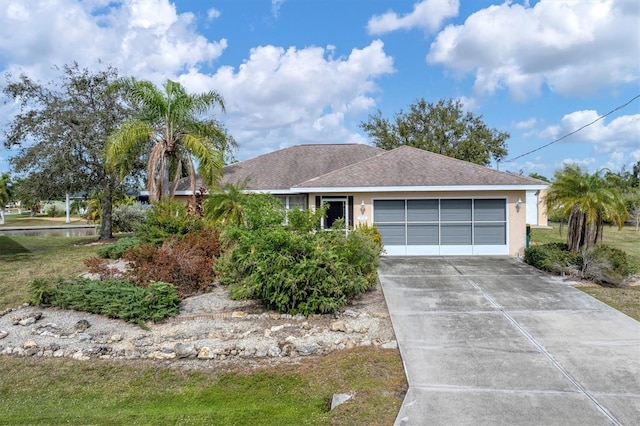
(185, 262)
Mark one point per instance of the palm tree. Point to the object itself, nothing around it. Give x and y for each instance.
(226, 205)
(171, 127)
(588, 200)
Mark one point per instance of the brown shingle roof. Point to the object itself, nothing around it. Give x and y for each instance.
(407, 166)
(286, 168)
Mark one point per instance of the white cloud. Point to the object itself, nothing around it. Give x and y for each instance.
(619, 134)
(585, 163)
(275, 7)
(279, 97)
(276, 97)
(148, 39)
(572, 47)
(468, 103)
(213, 13)
(525, 124)
(427, 15)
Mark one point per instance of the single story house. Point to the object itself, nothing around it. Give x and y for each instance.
(422, 203)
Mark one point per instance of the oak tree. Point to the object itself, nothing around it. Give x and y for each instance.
(443, 128)
(60, 134)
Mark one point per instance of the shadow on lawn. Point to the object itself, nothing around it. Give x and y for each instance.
(9, 247)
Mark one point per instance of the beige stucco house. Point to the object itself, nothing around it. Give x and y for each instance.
(423, 203)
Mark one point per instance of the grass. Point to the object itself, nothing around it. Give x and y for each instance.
(57, 391)
(25, 219)
(99, 392)
(624, 299)
(25, 258)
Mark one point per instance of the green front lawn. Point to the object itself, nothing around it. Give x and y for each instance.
(59, 391)
(25, 258)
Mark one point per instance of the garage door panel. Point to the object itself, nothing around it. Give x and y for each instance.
(422, 210)
(389, 211)
(489, 234)
(455, 210)
(489, 210)
(455, 234)
(422, 234)
(392, 234)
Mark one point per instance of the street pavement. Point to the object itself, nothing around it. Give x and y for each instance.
(493, 341)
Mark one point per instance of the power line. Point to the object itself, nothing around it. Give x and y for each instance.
(574, 132)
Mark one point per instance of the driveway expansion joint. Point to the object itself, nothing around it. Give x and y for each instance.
(540, 348)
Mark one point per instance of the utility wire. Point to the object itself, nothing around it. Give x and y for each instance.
(572, 133)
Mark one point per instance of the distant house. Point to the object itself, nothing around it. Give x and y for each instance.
(423, 203)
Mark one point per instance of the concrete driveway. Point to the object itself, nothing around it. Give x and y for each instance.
(491, 341)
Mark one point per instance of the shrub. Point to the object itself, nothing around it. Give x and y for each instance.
(305, 220)
(605, 264)
(602, 264)
(298, 272)
(128, 217)
(54, 208)
(116, 299)
(263, 210)
(553, 257)
(167, 219)
(100, 267)
(185, 262)
(115, 250)
(371, 232)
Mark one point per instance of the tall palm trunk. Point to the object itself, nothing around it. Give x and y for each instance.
(580, 232)
(165, 189)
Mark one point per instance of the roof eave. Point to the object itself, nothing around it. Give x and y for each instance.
(443, 188)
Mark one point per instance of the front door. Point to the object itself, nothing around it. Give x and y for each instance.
(337, 210)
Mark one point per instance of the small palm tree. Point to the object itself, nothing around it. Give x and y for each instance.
(588, 200)
(171, 127)
(226, 205)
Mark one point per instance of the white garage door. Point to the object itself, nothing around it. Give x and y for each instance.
(442, 226)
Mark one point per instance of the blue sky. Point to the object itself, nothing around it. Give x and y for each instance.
(302, 71)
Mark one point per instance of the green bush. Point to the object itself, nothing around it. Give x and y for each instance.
(128, 217)
(304, 220)
(553, 257)
(53, 211)
(263, 210)
(371, 232)
(116, 250)
(167, 219)
(113, 298)
(602, 264)
(298, 272)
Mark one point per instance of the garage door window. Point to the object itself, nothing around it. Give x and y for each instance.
(490, 222)
(422, 222)
(390, 218)
(442, 222)
(455, 216)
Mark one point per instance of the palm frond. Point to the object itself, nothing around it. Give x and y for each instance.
(210, 160)
(126, 145)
